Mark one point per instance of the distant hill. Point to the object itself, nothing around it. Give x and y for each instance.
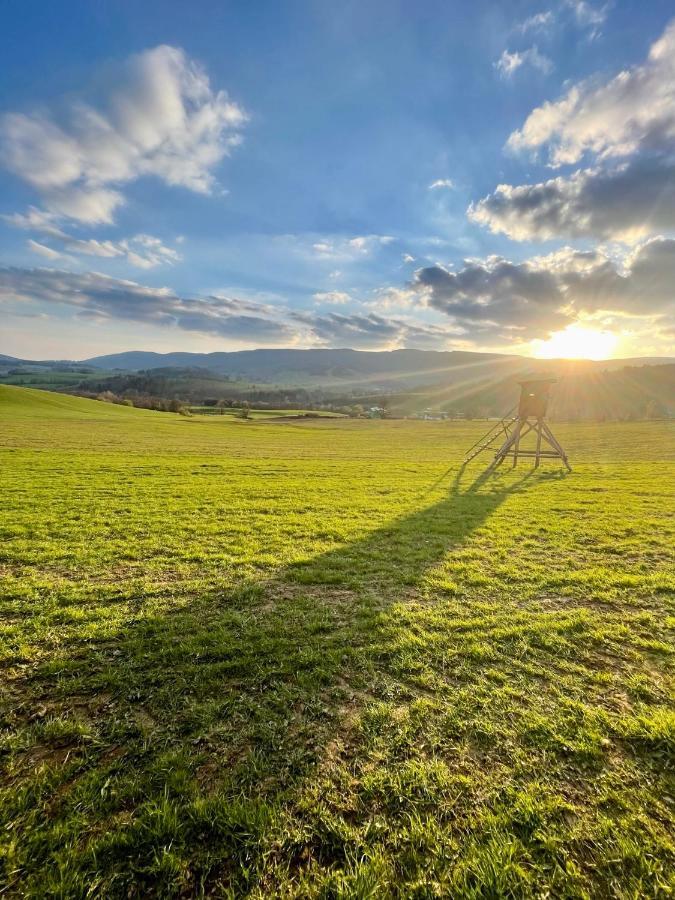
(325, 366)
(47, 363)
(314, 367)
(406, 381)
(342, 368)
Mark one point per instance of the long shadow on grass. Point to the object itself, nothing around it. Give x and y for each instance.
(197, 723)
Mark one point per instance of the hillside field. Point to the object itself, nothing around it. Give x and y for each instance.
(260, 413)
(322, 659)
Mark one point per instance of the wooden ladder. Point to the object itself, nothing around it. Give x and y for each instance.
(502, 427)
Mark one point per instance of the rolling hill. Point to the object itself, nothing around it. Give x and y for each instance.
(343, 367)
(315, 367)
(27, 403)
(408, 382)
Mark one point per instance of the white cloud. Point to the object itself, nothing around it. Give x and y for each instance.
(509, 63)
(584, 15)
(345, 248)
(147, 251)
(625, 202)
(538, 22)
(160, 118)
(142, 251)
(623, 129)
(442, 183)
(393, 298)
(90, 205)
(367, 243)
(34, 220)
(587, 15)
(43, 250)
(105, 249)
(336, 297)
(633, 111)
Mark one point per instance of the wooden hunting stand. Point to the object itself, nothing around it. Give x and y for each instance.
(529, 416)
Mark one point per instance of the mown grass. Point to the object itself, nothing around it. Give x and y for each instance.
(263, 413)
(321, 659)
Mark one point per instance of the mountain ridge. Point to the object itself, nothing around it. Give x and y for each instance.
(408, 382)
(342, 368)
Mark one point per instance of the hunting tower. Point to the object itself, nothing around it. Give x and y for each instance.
(530, 416)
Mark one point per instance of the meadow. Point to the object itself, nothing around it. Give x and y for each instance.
(261, 413)
(323, 658)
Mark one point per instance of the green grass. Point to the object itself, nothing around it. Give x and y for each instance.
(263, 413)
(320, 659)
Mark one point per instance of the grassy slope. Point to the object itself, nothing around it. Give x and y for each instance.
(263, 413)
(27, 403)
(319, 658)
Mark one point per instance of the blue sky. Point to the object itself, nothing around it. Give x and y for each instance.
(212, 176)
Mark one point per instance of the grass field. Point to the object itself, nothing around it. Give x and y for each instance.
(320, 659)
(262, 413)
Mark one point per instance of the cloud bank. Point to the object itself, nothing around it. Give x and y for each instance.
(492, 302)
(623, 129)
(100, 297)
(503, 301)
(627, 202)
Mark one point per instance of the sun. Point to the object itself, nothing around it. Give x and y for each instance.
(576, 342)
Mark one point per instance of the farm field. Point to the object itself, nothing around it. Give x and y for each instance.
(263, 413)
(323, 659)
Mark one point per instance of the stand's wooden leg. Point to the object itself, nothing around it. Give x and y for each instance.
(517, 445)
(522, 426)
(504, 449)
(553, 441)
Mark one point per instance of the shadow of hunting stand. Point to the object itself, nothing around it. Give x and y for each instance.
(239, 693)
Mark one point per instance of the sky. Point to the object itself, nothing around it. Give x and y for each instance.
(377, 175)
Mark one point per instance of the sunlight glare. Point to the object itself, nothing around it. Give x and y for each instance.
(576, 342)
